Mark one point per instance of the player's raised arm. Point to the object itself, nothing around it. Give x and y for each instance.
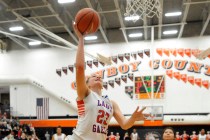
(128, 123)
(82, 89)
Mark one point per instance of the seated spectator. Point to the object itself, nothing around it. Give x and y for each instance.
(58, 135)
(168, 134)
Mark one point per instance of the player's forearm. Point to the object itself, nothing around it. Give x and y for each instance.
(128, 123)
(80, 54)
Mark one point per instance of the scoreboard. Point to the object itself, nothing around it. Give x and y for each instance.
(143, 87)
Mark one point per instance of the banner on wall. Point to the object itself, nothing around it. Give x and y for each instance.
(129, 91)
(122, 71)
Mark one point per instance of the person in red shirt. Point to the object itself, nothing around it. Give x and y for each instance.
(208, 135)
(178, 137)
(20, 132)
(185, 136)
(112, 136)
(194, 136)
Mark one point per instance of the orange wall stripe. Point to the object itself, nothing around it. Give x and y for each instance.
(73, 123)
(50, 123)
(153, 123)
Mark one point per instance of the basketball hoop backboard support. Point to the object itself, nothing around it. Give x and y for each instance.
(141, 8)
(156, 113)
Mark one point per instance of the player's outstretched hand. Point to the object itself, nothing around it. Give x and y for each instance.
(79, 35)
(138, 115)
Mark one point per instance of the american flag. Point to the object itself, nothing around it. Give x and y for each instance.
(42, 108)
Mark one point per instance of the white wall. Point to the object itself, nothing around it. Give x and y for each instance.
(42, 64)
(23, 100)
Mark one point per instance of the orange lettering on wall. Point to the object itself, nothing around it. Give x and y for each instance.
(195, 67)
(135, 66)
(180, 64)
(123, 68)
(167, 64)
(207, 70)
(155, 64)
(112, 71)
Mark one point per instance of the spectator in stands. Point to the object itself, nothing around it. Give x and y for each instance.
(59, 135)
(9, 135)
(34, 137)
(134, 135)
(168, 134)
(126, 136)
(23, 136)
(20, 132)
(150, 136)
(4, 117)
(202, 135)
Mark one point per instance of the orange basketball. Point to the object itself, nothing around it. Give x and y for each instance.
(87, 21)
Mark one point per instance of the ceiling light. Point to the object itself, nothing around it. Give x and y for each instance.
(91, 37)
(33, 43)
(16, 28)
(170, 32)
(132, 18)
(135, 35)
(65, 1)
(173, 14)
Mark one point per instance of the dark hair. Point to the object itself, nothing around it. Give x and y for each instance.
(87, 80)
(170, 129)
(58, 127)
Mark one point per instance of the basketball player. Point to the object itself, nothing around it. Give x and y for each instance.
(208, 135)
(112, 136)
(202, 135)
(58, 135)
(185, 136)
(178, 137)
(168, 133)
(95, 110)
(203, 54)
(134, 135)
(117, 136)
(194, 136)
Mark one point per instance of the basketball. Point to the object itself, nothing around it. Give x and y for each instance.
(87, 21)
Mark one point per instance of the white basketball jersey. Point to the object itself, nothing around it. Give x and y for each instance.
(202, 137)
(134, 136)
(94, 114)
(61, 137)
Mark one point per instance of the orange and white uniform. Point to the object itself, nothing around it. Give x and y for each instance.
(94, 114)
(185, 137)
(194, 137)
(178, 137)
